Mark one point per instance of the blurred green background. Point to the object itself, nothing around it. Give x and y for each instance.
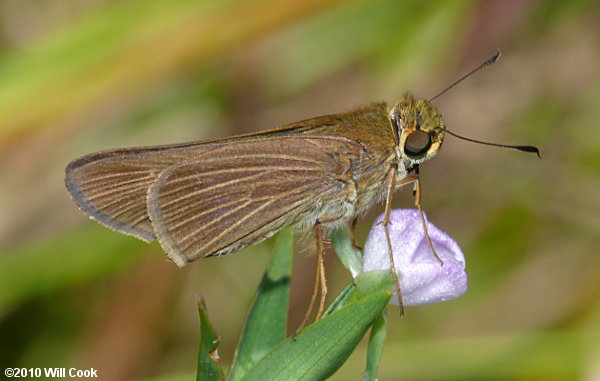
(78, 77)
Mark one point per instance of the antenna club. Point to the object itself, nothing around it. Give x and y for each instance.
(531, 149)
(494, 58)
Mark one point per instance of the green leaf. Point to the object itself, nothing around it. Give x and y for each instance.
(373, 281)
(375, 349)
(364, 284)
(341, 300)
(209, 367)
(321, 348)
(266, 323)
(342, 245)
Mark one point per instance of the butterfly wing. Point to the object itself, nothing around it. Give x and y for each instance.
(111, 186)
(237, 195)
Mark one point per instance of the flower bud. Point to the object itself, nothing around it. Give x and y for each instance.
(423, 279)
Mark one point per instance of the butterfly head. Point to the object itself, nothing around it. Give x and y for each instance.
(419, 128)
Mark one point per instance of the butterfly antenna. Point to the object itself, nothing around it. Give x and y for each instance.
(531, 149)
(489, 61)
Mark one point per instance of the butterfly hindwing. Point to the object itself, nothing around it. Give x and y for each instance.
(237, 195)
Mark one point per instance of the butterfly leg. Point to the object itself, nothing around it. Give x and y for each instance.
(313, 297)
(321, 271)
(391, 185)
(320, 279)
(417, 193)
(350, 190)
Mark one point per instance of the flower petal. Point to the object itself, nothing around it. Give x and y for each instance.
(423, 279)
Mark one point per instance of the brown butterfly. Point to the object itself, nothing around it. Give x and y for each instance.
(215, 197)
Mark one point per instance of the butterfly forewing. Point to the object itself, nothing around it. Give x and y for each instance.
(112, 186)
(235, 196)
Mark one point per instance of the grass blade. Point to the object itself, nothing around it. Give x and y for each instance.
(375, 348)
(321, 348)
(341, 300)
(266, 323)
(209, 367)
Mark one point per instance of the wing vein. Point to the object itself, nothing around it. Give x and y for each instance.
(111, 176)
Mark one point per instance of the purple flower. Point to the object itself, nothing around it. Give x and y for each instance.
(423, 279)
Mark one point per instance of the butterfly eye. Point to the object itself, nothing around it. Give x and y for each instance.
(417, 143)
